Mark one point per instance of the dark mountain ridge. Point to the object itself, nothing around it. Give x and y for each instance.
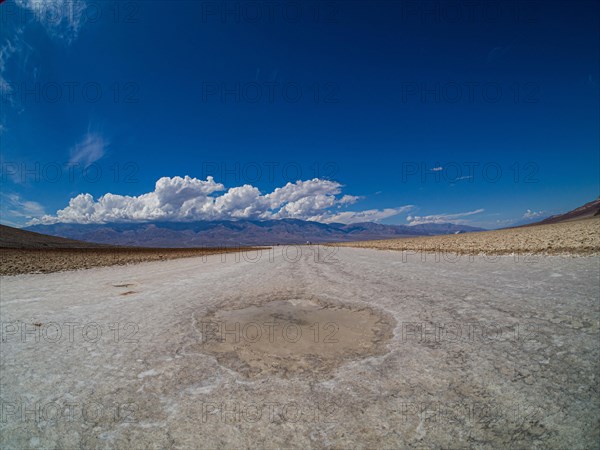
(16, 238)
(590, 209)
(240, 232)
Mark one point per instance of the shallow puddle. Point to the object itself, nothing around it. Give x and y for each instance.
(293, 337)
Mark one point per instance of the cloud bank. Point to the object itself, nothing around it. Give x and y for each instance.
(192, 199)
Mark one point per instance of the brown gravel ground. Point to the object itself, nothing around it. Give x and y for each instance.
(580, 237)
(15, 261)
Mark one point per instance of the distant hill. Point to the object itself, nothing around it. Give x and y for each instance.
(586, 211)
(16, 238)
(240, 232)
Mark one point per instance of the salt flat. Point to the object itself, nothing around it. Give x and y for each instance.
(396, 350)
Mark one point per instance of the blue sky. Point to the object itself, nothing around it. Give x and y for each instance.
(402, 112)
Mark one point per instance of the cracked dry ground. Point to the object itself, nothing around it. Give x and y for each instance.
(394, 352)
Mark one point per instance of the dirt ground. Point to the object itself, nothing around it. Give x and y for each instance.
(581, 237)
(15, 261)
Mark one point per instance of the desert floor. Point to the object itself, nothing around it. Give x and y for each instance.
(580, 237)
(321, 347)
(15, 261)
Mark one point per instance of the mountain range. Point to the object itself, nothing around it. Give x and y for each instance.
(240, 232)
(232, 233)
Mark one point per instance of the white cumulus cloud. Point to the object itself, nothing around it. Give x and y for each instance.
(189, 199)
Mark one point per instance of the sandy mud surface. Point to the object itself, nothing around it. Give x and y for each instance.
(293, 337)
(396, 351)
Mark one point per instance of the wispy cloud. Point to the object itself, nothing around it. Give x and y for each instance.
(437, 169)
(62, 19)
(442, 218)
(349, 199)
(14, 205)
(7, 49)
(529, 214)
(370, 215)
(592, 83)
(12, 45)
(89, 150)
(497, 54)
